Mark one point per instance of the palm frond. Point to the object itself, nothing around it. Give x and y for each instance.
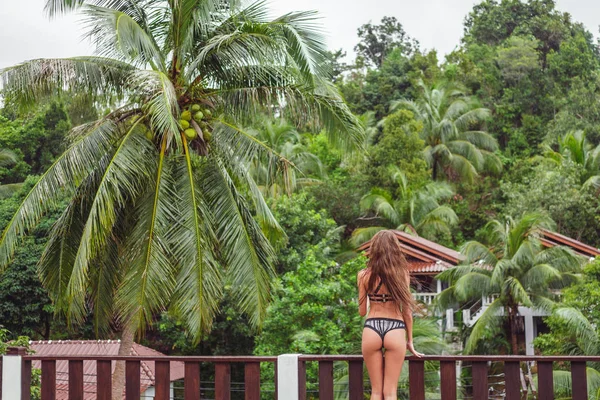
(472, 285)
(118, 36)
(476, 252)
(515, 288)
(126, 176)
(305, 43)
(150, 279)
(577, 323)
(246, 251)
(362, 235)
(199, 283)
(486, 322)
(65, 174)
(35, 80)
(162, 108)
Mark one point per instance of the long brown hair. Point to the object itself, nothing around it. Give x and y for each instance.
(387, 264)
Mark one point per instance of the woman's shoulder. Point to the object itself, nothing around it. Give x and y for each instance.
(363, 273)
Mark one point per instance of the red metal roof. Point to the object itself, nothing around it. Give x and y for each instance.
(423, 256)
(96, 348)
(550, 239)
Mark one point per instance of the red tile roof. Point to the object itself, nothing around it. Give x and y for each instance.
(95, 348)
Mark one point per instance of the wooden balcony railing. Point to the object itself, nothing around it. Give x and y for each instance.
(490, 377)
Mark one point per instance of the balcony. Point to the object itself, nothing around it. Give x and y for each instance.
(498, 377)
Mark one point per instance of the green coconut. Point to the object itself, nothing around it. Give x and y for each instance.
(184, 124)
(207, 113)
(196, 107)
(149, 135)
(186, 115)
(207, 135)
(190, 133)
(198, 116)
(202, 124)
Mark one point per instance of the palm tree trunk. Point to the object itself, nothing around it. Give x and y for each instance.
(118, 377)
(434, 170)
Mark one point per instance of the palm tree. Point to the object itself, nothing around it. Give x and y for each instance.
(513, 268)
(284, 139)
(587, 343)
(161, 216)
(416, 211)
(575, 148)
(454, 149)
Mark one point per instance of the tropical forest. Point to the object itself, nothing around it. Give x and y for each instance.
(206, 182)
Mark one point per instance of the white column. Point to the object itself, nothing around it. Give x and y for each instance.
(439, 286)
(449, 319)
(529, 333)
(287, 377)
(11, 374)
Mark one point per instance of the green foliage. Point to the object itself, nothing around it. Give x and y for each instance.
(399, 145)
(306, 228)
(378, 41)
(417, 210)
(555, 190)
(518, 58)
(36, 139)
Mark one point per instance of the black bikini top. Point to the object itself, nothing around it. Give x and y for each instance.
(380, 297)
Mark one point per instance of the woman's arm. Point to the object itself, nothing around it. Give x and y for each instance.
(362, 298)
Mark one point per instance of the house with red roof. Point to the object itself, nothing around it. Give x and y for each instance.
(73, 348)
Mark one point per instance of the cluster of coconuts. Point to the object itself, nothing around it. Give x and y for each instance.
(195, 114)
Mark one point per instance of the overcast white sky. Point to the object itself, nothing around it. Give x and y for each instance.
(25, 32)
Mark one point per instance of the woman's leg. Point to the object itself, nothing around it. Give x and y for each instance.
(395, 350)
(371, 350)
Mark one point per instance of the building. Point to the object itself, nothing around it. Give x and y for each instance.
(73, 348)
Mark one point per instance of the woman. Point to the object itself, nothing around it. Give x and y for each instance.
(384, 290)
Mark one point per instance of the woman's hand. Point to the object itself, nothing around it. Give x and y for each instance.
(411, 348)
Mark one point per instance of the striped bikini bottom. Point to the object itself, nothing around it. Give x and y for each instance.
(384, 325)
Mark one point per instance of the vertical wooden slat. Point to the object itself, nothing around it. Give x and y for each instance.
(25, 380)
(579, 379)
(222, 381)
(191, 383)
(448, 380)
(163, 380)
(355, 385)
(512, 376)
(276, 395)
(545, 381)
(301, 380)
(416, 377)
(252, 381)
(104, 381)
(48, 380)
(325, 380)
(75, 380)
(480, 381)
(133, 388)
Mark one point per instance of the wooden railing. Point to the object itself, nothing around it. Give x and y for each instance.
(507, 383)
